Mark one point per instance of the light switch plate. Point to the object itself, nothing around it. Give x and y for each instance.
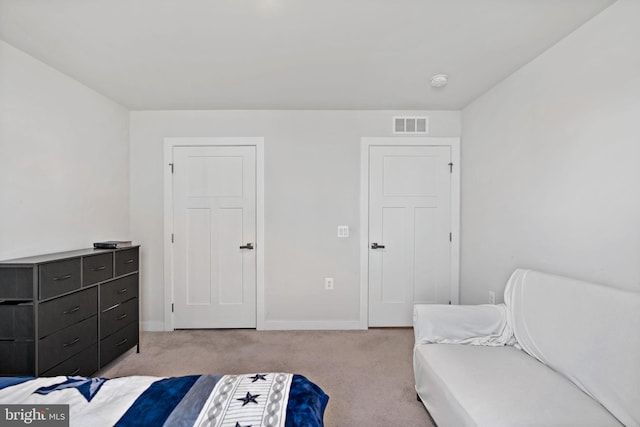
(343, 231)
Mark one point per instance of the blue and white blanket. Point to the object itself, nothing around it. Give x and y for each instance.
(270, 399)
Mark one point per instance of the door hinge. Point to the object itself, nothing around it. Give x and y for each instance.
(449, 302)
(171, 164)
(450, 237)
(450, 167)
(172, 307)
(171, 237)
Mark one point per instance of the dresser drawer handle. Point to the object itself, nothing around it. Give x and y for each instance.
(111, 308)
(122, 291)
(72, 310)
(69, 344)
(102, 267)
(123, 342)
(68, 276)
(75, 372)
(129, 261)
(122, 316)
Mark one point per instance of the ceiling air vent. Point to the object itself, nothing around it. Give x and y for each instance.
(410, 125)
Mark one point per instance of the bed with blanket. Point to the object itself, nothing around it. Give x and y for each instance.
(260, 399)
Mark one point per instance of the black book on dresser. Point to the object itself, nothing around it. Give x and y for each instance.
(68, 313)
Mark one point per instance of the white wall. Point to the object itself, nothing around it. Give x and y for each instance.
(63, 161)
(311, 186)
(550, 163)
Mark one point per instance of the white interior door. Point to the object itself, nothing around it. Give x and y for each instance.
(214, 213)
(409, 230)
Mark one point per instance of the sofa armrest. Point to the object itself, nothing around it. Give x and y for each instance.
(485, 324)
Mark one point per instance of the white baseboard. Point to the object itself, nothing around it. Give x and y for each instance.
(152, 326)
(279, 325)
(301, 325)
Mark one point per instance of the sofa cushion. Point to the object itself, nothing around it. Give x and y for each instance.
(464, 385)
(587, 332)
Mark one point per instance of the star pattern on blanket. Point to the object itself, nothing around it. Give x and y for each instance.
(88, 387)
(238, 425)
(257, 377)
(249, 398)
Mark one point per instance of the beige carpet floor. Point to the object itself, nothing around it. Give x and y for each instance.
(368, 375)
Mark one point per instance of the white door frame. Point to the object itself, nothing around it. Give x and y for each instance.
(169, 144)
(365, 144)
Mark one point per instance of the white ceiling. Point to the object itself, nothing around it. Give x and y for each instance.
(289, 54)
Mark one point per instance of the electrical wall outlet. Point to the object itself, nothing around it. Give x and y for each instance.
(328, 283)
(492, 297)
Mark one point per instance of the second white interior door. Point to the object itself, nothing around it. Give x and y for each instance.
(409, 226)
(214, 265)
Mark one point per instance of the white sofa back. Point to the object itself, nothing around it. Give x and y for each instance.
(588, 332)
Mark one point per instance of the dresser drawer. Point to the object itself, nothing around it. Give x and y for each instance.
(97, 268)
(126, 261)
(117, 343)
(65, 311)
(16, 282)
(59, 277)
(16, 358)
(84, 363)
(16, 320)
(117, 317)
(118, 291)
(63, 344)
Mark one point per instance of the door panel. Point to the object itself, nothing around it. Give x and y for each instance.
(410, 215)
(409, 176)
(214, 202)
(214, 176)
(393, 236)
(229, 277)
(198, 257)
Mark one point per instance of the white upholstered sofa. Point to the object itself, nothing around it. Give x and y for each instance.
(558, 352)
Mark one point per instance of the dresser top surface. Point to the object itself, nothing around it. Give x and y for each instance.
(39, 259)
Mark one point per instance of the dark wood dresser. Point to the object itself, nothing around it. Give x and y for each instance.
(68, 313)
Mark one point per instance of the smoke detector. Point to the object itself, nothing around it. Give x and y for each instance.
(439, 80)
